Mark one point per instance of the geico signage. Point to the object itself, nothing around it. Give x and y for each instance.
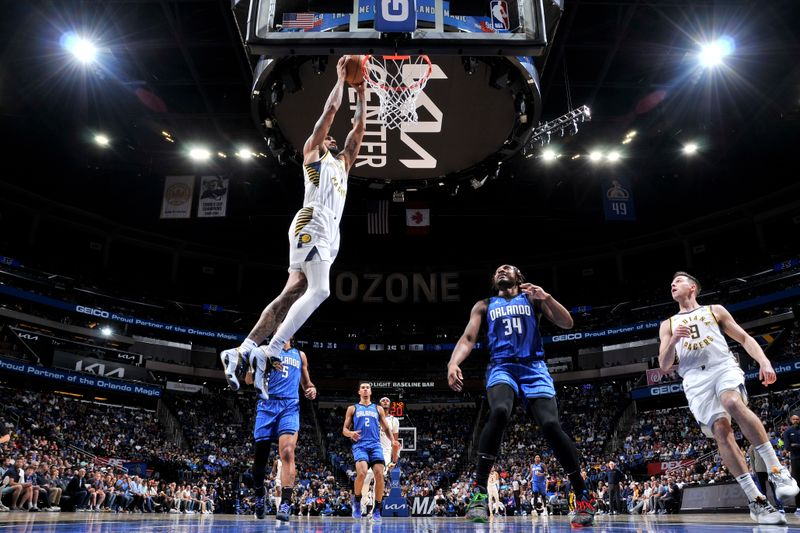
(91, 311)
(666, 389)
(397, 287)
(567, 337)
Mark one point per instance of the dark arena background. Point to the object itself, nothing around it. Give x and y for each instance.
(152, 154)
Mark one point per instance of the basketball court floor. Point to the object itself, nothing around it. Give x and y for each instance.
(74, 523)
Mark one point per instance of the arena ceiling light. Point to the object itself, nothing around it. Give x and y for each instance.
(596, 156)
(690, 148)
(102, 140)
(549, 155)
(199, 154)
(106, 331)
(613, 156)
(244, 153)
(713, 54)
(83, 49)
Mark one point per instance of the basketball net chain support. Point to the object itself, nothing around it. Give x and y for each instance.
(567, 123)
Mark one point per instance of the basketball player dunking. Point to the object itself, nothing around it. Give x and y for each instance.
(313, 235)
(278, 420)
(367, 421)
(713, 383)
(517, 368)
(390, 455)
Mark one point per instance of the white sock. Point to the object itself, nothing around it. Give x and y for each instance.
(247, 346)
(749, 486)
(767, 452)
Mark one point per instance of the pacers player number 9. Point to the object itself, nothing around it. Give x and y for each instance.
(395, 10)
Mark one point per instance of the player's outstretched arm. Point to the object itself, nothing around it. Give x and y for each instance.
(309, 390)
(352, 145)
(464, 345)
(325, 121)
(733, 330)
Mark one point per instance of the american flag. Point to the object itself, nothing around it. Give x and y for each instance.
(301, 20)
(378, 217)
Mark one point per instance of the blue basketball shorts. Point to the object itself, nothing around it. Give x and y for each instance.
(529, 379)
(275, 418)
(372, 453)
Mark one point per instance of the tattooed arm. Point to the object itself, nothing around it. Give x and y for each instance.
(352, 144)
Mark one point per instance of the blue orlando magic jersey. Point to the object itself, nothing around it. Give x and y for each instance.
(284, 383)
(365, 420)
(513, 329)
(537, 471)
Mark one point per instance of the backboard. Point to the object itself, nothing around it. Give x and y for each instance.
(478, 108)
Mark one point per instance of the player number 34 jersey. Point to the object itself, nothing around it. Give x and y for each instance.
(513, 329)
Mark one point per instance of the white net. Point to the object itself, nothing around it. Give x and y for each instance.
(397, 80)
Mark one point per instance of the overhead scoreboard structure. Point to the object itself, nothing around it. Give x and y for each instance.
(479, 106)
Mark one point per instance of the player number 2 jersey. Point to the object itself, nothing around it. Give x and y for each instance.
(706, 346)
(513, 329)
(367, 421)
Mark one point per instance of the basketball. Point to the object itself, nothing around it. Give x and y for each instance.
(353, 73)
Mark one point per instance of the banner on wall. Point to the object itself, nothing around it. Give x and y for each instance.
(177, 201)
(213, 200)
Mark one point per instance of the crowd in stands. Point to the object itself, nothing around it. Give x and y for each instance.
(41, 469)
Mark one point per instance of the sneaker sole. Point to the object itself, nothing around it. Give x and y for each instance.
(233, 382)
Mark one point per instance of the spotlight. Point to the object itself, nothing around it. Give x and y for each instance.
(106, 331)
(244, 153)
(613, 156)
(83, 49)
(101, 140)
(713, 54)
(549, 155)
(199, 154)
(596, 156)
(690, 149)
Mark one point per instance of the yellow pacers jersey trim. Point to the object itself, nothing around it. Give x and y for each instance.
(303, 218)
(312, 172)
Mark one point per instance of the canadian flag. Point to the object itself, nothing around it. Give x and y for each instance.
(418, 219)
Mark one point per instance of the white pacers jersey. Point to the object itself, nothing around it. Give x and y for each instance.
(386, 444)
(326, 184)
(314, 232)
(706, 347)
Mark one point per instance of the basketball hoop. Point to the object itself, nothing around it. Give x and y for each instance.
(398, 80)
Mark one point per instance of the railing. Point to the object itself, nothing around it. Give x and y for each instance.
(102, 461)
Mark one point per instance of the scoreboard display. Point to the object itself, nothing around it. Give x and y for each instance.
(397, 409)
